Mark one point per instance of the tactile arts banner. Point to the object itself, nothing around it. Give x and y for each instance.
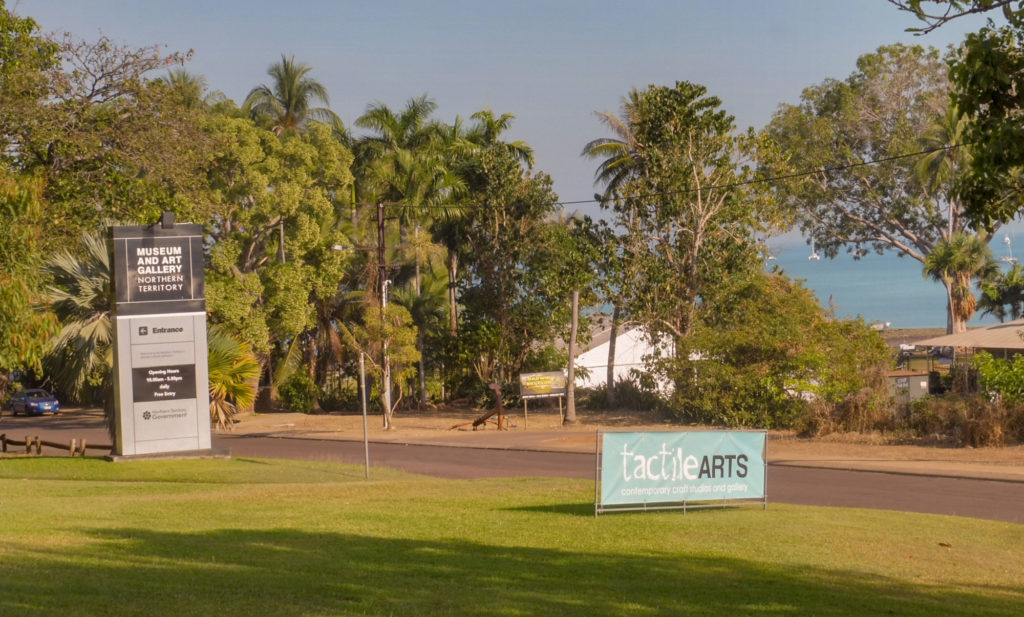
(662, 467)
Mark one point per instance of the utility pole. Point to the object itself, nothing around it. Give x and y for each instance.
(385, 361)
(570, 386)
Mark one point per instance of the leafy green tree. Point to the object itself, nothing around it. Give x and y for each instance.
(488, 129)
(686, 220)
(404, 169)
(395, 329)
(514, 293)
(935, 13)
(986, 74)
(470, 149)
(738, 346)
(1000, 378)
(620, 162)
(287, 103)
(25, 330)
(764, 350)
(426, 308)
(891, 109)
(26, 58)
(274, 210)
(109, 143)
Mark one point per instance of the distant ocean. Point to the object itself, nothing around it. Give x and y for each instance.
(879, 288)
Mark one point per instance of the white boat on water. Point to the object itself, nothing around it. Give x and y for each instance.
(814, 256)
(1008, 258)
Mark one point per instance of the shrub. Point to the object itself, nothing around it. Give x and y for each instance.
(1000, 378)
(632, 393)
(967, 420)
(343, 395)
(298, 393)
(764, 353)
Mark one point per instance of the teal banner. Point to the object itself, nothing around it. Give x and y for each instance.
(660, 467)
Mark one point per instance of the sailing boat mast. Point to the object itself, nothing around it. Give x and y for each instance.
(1009, 258)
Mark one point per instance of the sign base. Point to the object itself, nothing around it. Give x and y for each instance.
(221, 453)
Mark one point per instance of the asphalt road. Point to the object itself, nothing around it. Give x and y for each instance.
(985, 499)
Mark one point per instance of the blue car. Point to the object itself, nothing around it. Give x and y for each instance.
(34, 402)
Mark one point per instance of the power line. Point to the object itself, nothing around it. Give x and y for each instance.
(772, 179)
(730, 185)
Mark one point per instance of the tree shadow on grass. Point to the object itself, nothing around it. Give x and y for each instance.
(286, 572)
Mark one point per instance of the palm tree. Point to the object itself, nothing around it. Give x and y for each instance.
(621, 161)
(620, 155)
(287, 103)
(190, 89)
(488, 130)
(234, 371)
(1004, 290)
(410, 129)
(937, 172)
(947, 155)
(956, 263)
(466, 149)
(81, 298)
(426, 309)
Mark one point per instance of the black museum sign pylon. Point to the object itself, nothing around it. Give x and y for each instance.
(161, 379)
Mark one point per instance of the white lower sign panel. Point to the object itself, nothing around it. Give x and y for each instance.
(163, 384)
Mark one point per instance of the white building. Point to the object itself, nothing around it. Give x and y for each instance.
(631, 346)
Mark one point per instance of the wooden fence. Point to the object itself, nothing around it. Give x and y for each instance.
(35, 443)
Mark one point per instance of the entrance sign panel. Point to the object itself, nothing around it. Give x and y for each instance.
(681, 467)
(161, 374)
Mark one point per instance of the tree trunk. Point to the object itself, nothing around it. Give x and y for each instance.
(951, 322)
(610, 379)
(423, 374)
(416, 243)
(280, 242)
(453, 316)
(570, 386)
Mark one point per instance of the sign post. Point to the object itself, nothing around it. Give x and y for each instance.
(161, 380)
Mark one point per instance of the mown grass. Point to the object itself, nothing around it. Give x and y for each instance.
(256, 537)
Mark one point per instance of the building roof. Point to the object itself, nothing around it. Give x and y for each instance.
(1000, 336)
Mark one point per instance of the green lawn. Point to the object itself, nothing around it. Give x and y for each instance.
(257, 537)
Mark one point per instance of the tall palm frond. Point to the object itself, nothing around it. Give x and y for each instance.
(946, 152)
(80, 297)
(487, 132)
(410, 129)
(288, 102)
(234, 373)
(620, 155)
(1002, 295)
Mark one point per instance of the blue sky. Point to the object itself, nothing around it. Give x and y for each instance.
(551, 64)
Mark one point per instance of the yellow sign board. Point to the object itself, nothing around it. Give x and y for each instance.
(542, 385)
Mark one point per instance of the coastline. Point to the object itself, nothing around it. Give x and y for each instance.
(894, 337)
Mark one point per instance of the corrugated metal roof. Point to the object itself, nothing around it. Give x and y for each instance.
(1000, 336)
